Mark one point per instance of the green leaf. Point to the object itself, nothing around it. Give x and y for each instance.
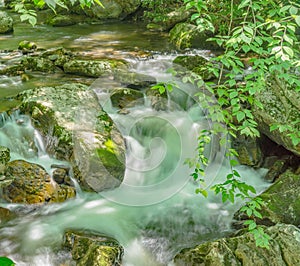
(252, 226)
(293, 10)
(240, 116)
(297, 20)
(4, 261)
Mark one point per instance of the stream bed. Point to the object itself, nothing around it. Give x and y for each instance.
(155, 212)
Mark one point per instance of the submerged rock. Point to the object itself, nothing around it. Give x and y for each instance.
(31, 184)
(76, 129)
(6, 23)
(93, 249)
(241, 250)
(5, 215)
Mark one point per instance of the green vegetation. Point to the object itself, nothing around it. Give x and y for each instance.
(6, 262)
(261, 36)
(29, 14)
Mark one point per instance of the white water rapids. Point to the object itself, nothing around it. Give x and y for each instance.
(155, 212)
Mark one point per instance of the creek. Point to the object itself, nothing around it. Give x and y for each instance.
(155, 212)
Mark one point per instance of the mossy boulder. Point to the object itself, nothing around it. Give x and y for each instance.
(31, 184)
(77, 129)
(92, 68)
(6, 23)
(116, 9)
(133, 80)
(242, 250)
(61, 20)
(93, 249)
(280, 104)
(282, 201)
(185, 35)
(170, 20)
(195, 63)
(125, 97)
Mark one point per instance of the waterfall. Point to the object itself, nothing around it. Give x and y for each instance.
(155, 212)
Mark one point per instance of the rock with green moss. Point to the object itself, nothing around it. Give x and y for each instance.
(93, 249)
(249, 150)
(242, 250)
(281, 201)
(92, 68)
(61, 20)
(5, 215)
(31, 184)
(125, 97)
(77, 129)
(113, 9)
(6, 23)
(280, 105)
(170, 19)
(185, 35)
(195, 63)
(133, 80)
(159, 101)
(4, 158)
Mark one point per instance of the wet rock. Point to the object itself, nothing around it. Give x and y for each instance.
(5, 215)
(61, 20)
(61, 175)
(4, 158)
(31, 184)
(282, 201)
(76, 129)
(26, 46)
(159, 101)
(6, 23)
(116, 9)
(93, 249)
(170, 20)
(185, 35)
(125, 98)
(92, 68)
(195, 63)
(277, 168)
(241, 250)
(249, 150)
(280, 104)
(134, 80)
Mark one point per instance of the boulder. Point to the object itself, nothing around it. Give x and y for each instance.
(280, 104)
(77, 129)
(241, 250)
(170, 20)
(282, 201)
(125, 97)
(93, 249)
(6, 23)
(185, 35)
(92, 68)
(133, 80)
(116, 9)
(31, 184)
(195, 63)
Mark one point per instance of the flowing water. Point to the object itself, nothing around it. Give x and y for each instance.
(155, 212)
